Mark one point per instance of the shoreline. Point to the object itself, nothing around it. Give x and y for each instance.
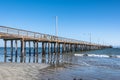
(20, 71)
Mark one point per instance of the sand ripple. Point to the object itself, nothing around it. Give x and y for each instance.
(20, 71)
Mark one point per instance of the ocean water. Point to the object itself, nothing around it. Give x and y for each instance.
(73, 66)
(87, 65)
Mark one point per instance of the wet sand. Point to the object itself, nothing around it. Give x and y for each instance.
(20, 71)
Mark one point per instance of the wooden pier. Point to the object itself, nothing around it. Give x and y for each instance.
(48, 43)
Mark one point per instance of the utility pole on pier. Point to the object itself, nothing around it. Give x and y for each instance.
(56, 31)
(56, 26)
(90, 41)
(90, 37)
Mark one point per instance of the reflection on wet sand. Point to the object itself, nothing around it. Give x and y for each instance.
(59, 62)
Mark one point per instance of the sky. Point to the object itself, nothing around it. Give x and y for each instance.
(77, 19)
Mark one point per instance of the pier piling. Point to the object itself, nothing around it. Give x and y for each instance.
(11, 50)
(16, 51)
(5, 50)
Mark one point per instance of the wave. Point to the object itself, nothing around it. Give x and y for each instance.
(99, 55)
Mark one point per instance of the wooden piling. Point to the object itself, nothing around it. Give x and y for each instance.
(66, 48)
(75, 47)
(59, 48)
(37, 52)
(51, 48)
(70, 47)
(43, 52)
(45, 47)
(34, 51)
(22, 50)
(54, 47)
(29, 52)
(11, 50)
(5, 50)
(16, 51)
(82, 47)
(63, 47)
(48, 47)
(57, 51)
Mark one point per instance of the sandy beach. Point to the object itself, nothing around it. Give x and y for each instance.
(20, 71)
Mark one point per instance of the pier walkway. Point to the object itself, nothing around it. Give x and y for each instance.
(49, 43)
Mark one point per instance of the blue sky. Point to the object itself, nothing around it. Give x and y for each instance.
(76, 18)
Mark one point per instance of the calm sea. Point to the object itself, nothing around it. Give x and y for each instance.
(89, 65)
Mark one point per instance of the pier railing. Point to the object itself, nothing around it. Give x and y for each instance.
(35, 35)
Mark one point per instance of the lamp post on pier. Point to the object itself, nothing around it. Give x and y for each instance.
(56, 31)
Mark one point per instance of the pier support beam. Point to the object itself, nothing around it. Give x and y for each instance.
(43, 49)
(11, 51)
(5, 50)
(70, 47)
(58, 48)
(48, 47)
(82, 47)
(37, 52)
(16, 51)
(34, 51)
(51, 48)
(54, 47)
(66, 48)
(62, 48)
(29, 52)
(22, 50)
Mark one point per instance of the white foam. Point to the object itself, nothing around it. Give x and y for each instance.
(118, 56)
(78, 54)
(98, 55)
(91, 55)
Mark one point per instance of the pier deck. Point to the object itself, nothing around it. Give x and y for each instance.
(53, 43)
